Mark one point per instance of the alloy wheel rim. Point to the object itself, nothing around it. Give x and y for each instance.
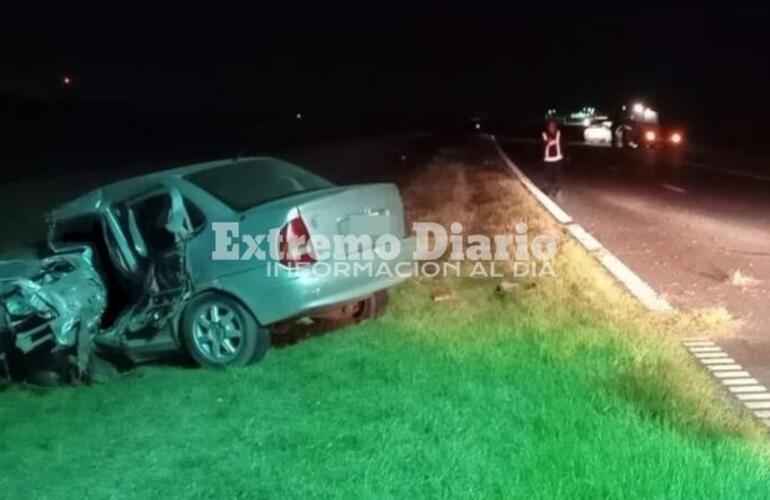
(218, 333)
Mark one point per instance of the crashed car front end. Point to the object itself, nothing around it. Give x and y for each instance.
(50, 308)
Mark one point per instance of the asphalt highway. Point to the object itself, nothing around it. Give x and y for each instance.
(696, 229)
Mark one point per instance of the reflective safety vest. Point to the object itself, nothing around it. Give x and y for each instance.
(552, 147)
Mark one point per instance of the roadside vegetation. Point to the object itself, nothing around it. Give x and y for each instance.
(558, 387)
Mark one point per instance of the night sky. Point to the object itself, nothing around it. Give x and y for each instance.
(333, 59)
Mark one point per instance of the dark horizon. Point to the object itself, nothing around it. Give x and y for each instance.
(387, 66)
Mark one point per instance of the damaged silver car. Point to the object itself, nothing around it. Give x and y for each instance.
(129, 269)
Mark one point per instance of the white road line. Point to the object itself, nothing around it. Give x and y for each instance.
(633, 283)
(740, 381)
(673, 188)
(705, 349)
(755, 397)
(720, 368)
(758, 405)
(717, 361)
(589, 242)
(699, 343)
(554, 209)
(709, 355)
(748, 388)
(736, 374)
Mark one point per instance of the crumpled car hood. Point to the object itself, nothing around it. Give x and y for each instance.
(57, 296)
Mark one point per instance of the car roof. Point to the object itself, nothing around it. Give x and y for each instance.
(124, 189)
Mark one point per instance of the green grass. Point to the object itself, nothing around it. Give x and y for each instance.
(561, 388)
(479, 396)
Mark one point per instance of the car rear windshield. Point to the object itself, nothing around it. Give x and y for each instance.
(249, 183)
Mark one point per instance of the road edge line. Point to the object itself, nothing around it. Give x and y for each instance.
(639, 288)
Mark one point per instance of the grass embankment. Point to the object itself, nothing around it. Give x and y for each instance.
(559, 387)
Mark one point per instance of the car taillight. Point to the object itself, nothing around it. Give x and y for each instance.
(295, 246)
(650, 135)
(676, 138)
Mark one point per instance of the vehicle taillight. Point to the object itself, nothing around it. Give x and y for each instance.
(676, 138)
(650, 135)
(295, 246)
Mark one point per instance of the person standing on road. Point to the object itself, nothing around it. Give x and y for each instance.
(553, 158)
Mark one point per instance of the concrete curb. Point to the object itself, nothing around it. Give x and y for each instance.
(633, 283)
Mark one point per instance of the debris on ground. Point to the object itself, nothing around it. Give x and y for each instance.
(506, 287)
(442, 296)
(740, 280)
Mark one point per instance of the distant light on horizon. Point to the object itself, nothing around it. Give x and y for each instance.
(66, 80)
(298, 116)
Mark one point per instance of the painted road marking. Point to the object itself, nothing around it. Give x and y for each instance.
(748, 388)
(699, 343)
(633, 283)
(719, 368)
(705, 349)
(755, 397)
(740, 381)
(734, 374)
(717, 361)
(589, 242)
(758, 405)
(711, 355)
(555, 210)
(673, 188)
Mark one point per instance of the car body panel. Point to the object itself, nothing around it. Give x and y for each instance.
(288, 293)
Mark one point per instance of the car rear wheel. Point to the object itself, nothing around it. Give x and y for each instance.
(373, 306)
(219, 332)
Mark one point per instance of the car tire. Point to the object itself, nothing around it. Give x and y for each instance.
(373, 306)
(219, 332)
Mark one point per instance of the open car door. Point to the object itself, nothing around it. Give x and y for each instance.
(147, 238)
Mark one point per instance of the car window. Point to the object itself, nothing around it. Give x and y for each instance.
(246, 184)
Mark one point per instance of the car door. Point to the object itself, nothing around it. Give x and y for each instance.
(149, 240)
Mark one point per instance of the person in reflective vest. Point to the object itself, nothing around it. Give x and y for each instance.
(553, 158)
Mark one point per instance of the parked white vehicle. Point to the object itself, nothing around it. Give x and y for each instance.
(598, 133)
